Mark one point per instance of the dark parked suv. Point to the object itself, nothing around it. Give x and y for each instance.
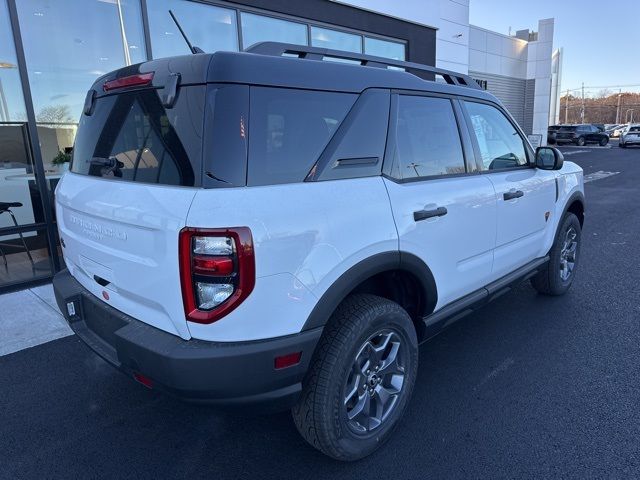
(581, 135)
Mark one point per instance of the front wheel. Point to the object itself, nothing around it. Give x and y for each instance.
(557, 275)
(580, 142)
(360, 379)
(622, 145)
(603, 141)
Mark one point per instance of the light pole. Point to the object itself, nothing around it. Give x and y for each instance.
(626, 115)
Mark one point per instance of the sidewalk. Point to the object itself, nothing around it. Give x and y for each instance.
(28, 318)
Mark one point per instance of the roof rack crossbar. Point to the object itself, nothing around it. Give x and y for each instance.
(278, 49)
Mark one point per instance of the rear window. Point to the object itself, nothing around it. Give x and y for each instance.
(288, 131)
(634, 129)
(568, 128)
(131, 136)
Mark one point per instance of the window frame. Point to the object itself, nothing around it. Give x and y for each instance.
(468, 154)
(474, 141)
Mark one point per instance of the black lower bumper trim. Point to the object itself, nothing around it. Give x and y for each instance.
(222, 373)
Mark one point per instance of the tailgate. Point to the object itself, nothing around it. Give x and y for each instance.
(122, 239)
(136, 168)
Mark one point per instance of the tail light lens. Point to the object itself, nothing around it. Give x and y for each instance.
(217, 271)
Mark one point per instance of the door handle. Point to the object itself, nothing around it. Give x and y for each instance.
(424, 214)
(513, 194)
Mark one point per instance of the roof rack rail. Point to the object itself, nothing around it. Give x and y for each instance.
(278, 49)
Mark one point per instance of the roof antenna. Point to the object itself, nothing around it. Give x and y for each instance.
(184, 35)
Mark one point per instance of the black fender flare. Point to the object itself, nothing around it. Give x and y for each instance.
(361, 271)
(575, 196)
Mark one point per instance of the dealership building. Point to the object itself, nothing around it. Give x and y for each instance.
(51, 51)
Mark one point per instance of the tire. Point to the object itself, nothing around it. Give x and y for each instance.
(603, 141)
(321, 414)
(580, 142)
(551, 279)
(622, 145)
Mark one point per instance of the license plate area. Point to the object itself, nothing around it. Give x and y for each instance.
(100, 320)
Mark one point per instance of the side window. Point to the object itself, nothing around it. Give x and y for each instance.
(289, 129)
(427, 138)
(500, 144)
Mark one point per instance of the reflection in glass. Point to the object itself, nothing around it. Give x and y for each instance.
(326, 38)
(258, 28)
(11, 99)
(17, 177)
(384, 48)
(208, 27)
(25, 258)
(69, 44)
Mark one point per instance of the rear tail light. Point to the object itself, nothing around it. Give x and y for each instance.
(137, 80)
(217, 271)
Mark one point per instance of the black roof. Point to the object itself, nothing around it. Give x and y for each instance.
(308, 71)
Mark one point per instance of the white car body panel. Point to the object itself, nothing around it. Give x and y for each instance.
(305, 236)
(127, 234)
(521, 222)
(570, 180)
(457, 247)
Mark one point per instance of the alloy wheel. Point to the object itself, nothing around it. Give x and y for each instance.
(568, 254)
(375, 381)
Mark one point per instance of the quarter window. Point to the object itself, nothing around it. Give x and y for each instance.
(427, 138)
(500, 144)
(288, 131)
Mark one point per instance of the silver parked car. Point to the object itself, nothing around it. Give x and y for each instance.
(630, 136)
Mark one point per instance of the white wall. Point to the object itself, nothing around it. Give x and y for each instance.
(450, 17)
(452, 37)
(497, 54)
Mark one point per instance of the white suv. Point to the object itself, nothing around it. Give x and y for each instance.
(253, 229)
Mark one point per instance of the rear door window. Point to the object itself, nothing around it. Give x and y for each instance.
(289, 129)
(427, 141)
(131, 136)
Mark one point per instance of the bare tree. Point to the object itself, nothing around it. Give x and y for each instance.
(55, 114)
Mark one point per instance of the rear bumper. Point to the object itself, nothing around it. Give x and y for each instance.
(226, 374)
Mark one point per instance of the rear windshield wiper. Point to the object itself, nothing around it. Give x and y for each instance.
(111, 166)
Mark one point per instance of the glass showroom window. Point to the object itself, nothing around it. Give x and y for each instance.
(258, 28)
(70, 44)
(384, 48)
(208, 27)
(24, 256)
(326, 38)
(11, 100)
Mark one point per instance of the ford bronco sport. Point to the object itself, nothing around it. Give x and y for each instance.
(254, 229)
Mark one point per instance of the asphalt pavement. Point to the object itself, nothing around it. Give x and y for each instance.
(529, 387)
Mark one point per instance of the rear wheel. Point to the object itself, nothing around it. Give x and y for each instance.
(557, 275)
(604, 141)
(580, 142)
(360, 379)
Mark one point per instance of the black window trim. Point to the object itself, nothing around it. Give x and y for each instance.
(465, 141)
(323, 161)
(476, 148)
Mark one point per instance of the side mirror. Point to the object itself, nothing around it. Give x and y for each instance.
(549, 158)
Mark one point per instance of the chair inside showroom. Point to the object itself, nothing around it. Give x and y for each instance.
(5, 207)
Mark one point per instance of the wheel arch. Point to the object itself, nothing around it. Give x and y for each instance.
(575, 205)
(399, 276)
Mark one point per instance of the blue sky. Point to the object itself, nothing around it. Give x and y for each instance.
(600, 38)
